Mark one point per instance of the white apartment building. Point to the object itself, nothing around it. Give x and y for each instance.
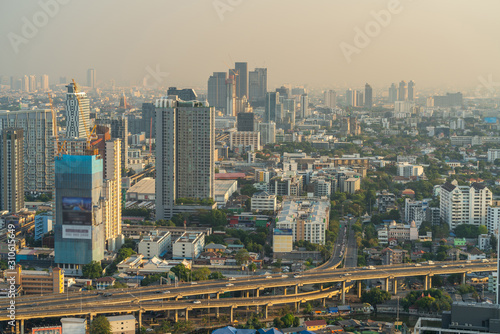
(464, 204)
(263, 201)
(308, 219)
(416, 211)
(188, 246)
(244, 139)
(407, 170)
(322, 188)
(155, 244)
(492, 219)
(493, 154)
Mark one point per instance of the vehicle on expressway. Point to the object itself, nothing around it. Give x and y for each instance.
(297, 276)
(193, 283)
(418, 265)
(196, 302)
(284, 276)
(269, 276)
(229, 284)
(165, 292)
(232, 279)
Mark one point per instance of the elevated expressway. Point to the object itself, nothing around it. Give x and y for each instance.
(167, 297)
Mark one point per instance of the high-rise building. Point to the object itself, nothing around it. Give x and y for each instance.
(231, 95)
(25, 84)
(44, 83)
(32, 83)
(91, 78)
(112, 185)
(79, 229)
(257, 85)
(411, 90)
(351, 97)
(449, 100)
(359, 99)
(148, 120)
(38, 134)
(368, 96)
(246, 121)
(217, 91)
(186, 94)
(241, 79)
(272, 99)
(77, 113)
(12, 170)
(184, 154)
(393, 93)
(119, 130)
(402, 91)
(464, 204)
(304, 106)
(267, 133)
(330, 98)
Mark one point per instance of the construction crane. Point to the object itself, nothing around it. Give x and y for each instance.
(90, 135)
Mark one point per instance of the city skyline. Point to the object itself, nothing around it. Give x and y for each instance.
(427, 60)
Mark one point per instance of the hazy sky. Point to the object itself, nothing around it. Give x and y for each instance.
(433, 42)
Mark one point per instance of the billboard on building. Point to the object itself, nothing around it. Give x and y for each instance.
(77, 232)
(77, 210)
(490, 120)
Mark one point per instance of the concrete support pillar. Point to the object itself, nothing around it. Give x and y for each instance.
(208, 296)
(247, 294)
(395, 286)
(321, 286)
(217, 312)
(426, 283)
(284, 290)
(265, 311)
(18, 324)
(324, 302)
(187, 315)
(257, 293)
(91, 317)
(22, 326)
(430, 282)
(343, 292)
(140, 318)
(231, 312)
(463, 278)
(176, 316)
(217, 294)
(359, 289)
(296, 289)
(387, 284)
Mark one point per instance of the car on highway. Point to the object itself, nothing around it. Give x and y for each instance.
(347, 274)
(107, 294)
(165, 292)
(297, 276)
(284, 276)
(269, 276)
(194, 283)
(444, 266)
(232, 279)
(196, 302)
(418, 265)
(229, 284)
(485, 260)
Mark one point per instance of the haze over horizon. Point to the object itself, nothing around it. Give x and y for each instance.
(448, 43)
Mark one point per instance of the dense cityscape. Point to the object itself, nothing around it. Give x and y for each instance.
(245, 204)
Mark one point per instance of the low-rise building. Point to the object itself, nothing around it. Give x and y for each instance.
(282, 240)
(36, 282)
(43, 224)
(155, 244)
(385, 201)
(400, 232)
(393, 256)
(263, 201)
(144, 190)
(74, 325)
(188, 246)
(122, 324)
(102, 283)
(223, 190)
(483, 242)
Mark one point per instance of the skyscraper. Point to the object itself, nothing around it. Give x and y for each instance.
(112, 185)
(330, 98)
(38, 148)
(393, 93)
(267, 133)
(411, 90)
(12, 170)
(241, 79)
(272, 99)
(246, 121)
(185, 94)
(77, 113)
(231, 95)
(368, 96)
(44, 83)
(119, 130)
(351, 97)
(402, 91)
(184, 154)
(25, 84)
(217, 91)
(32, 83)
(304, 106)
(91, 79)
(257, 85)
(79, 230)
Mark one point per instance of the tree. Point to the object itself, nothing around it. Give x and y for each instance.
(375, 296)
(242, 257)
(100, 325)
(252, 267)
(181, 272)
(200, 274)
(308, 308)
(216, 275)
(248, 190)
(92, 270)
